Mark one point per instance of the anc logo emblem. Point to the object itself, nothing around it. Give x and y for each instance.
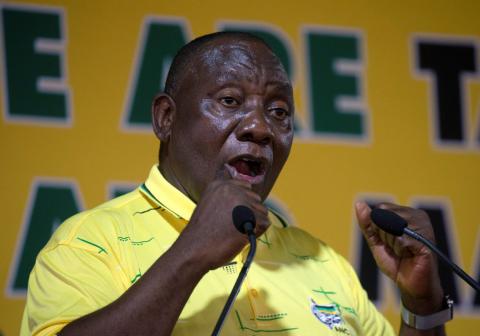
(328, 314)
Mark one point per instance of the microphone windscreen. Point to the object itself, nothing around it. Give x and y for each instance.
(388, 221)
(241, 215)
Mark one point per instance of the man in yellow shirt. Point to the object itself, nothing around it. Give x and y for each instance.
(162, 259)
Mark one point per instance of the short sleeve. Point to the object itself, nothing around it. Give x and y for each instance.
(373, 323)
(66, 283)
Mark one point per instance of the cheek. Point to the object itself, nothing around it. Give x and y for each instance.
(208, 140)
(215, 116)
(218, 125)
(283, 145)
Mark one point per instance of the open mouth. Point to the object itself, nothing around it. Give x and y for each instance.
(247, 168)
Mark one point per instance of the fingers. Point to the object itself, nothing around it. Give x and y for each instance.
(254, 201)
(404, 260)
(363, 214)
(261, 218)
(369, 231)
(241, 183)
(241, 193)
(374, 236)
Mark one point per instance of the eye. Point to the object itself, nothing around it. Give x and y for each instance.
(279, 113)
(229, 101)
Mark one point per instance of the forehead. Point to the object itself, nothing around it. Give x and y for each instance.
(225, 59)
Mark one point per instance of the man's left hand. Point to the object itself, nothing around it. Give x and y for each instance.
(410, 264)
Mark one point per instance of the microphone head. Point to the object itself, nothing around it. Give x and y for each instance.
(242, 215)
(388, 221)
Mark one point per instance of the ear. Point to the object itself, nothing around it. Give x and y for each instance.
(163, 114)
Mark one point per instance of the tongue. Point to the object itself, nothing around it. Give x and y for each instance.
(242, 167)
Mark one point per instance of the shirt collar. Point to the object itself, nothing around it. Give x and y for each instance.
(165, 195)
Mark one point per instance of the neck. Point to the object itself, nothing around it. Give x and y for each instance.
(169, 174)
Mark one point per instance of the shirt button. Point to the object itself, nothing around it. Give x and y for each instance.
(254, 292)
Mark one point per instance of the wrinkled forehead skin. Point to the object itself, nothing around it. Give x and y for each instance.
(227, 58)
(250, 57)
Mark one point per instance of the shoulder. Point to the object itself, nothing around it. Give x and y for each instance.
(85, 262)
(101, 223)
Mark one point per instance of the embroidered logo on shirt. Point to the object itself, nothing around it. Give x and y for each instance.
(327, 314)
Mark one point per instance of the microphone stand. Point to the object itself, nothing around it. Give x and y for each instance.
(240, 279)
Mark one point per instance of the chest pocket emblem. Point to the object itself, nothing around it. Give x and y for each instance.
(327, 314)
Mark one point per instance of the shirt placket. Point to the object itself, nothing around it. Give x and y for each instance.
(252, 295)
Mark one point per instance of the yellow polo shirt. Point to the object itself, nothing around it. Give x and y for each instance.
(297, 285)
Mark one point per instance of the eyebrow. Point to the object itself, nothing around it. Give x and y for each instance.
(280, 84)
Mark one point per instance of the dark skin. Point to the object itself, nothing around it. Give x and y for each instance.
(246, 109)
(411, 265)
(239, 107)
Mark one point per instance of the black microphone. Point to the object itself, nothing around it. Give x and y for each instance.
(392, 223)
(244, 221)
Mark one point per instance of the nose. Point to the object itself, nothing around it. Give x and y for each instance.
(254, 127)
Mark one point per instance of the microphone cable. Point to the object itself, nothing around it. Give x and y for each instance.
(244, 221)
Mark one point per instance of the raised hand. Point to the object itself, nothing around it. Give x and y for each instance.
(410, 264)
(210, 234)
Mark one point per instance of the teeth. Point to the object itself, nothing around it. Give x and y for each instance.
(254, 167)
(252, 160)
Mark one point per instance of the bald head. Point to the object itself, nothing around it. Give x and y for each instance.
(207, 49)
